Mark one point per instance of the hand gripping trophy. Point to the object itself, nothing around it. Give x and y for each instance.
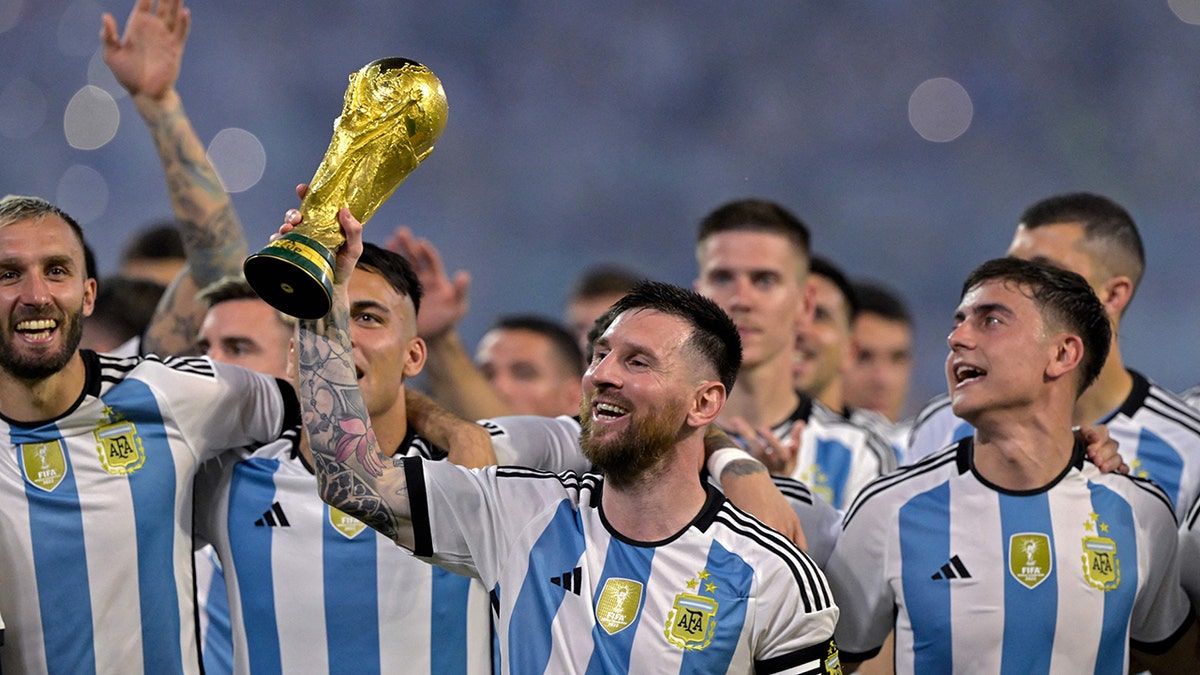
(395, 110)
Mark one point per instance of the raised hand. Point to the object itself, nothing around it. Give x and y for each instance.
(145, 60)
(444, 300)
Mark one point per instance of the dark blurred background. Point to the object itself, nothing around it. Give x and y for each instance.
(908, 135)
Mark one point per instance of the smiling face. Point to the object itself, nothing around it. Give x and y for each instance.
(44, 295)
(758, 279)
(383, 331)
(527, 372)
(999, 351)
(637, 394)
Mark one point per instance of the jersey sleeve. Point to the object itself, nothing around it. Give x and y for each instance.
(466, 520)
(220, 406)
(546, 443)
(1189, 554)
(795, 628)
(1161, 608)
(821, 522)
(859, 585)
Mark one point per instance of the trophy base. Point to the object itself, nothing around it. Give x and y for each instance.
(293, 274)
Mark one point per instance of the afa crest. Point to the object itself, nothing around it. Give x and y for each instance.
(45, 464)
(1030, 558)
(120, 448)
(1101, 567)
(618, 604)
(693, 617)
(348, 526)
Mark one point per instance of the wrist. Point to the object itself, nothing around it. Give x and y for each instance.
(720, 459)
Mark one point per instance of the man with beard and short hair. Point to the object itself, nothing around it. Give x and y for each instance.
(568, 557)
(96, 477)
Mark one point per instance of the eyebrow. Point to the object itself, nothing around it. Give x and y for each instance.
(986, 308)
(360, 305)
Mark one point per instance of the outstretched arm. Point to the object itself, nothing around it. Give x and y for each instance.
(146, 61)
(351, 472)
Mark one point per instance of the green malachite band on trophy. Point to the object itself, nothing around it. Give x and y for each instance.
(293, 274)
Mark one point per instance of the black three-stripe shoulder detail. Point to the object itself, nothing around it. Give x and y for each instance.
(814, 590)
(934, 462)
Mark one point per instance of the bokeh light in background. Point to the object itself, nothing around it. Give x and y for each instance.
(239, 159)
(908, 135)
(940, 110)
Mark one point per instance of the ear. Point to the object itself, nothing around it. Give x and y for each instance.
(707, 403)
(414, 357)
(89, 296)
(808, 306)
(1068, 354)
(1115, 295)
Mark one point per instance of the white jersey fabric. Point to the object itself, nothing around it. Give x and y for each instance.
(1157, 434)
(313, 590)
(1189, 555)
(96, 512)
(977, 579)
(552, 444)
(837, 457)
(726, 594)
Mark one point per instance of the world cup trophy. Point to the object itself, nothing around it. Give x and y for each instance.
(394, 111)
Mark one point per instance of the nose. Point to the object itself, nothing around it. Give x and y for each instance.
(602, 373)
(35, 290)
(960, 336)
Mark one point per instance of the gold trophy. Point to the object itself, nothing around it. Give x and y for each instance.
(395, 110)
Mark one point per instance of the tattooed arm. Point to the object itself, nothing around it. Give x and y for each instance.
(352, 474)
(146, 61)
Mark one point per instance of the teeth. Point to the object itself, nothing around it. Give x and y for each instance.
(967, 372)
(37, 324)
(610, 409)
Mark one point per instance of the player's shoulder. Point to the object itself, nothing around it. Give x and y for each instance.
(825, 424)
(1151, 406)
(1143, 494)
(115, 368)
(583, 489)
(888, 490)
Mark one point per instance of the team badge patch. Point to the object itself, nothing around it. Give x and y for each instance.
(349, 526)
(1030, 559)
(693, 617)
(45, 464)
(120, 448)
(618, 604)
(833, 659)
(1101, 567)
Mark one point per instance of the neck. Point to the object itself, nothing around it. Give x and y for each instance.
(1107, 393)
(832, 396)
(44, 399)
(390, 427)
(1024, 449)
(764, 394)
(662, 502)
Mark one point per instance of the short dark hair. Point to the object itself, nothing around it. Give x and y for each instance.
(235, 287)
(561, 340)
(1104, 222)
(601, 280)
(824, 267)
(125, 306)
(395, 269)
(156, 241)
(714, 335)
(876, 298)
(15, 208)
(756, 215)
(1065, 300)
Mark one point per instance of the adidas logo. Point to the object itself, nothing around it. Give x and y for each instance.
(273, 517)
(569, 580)
(955, 569)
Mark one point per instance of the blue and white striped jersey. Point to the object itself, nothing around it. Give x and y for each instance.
(212, 606)
(726, 594)
(1157, 434)
(312, 590)
(837, 457)
(96, 512)
(552, 444)
(976, 579)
